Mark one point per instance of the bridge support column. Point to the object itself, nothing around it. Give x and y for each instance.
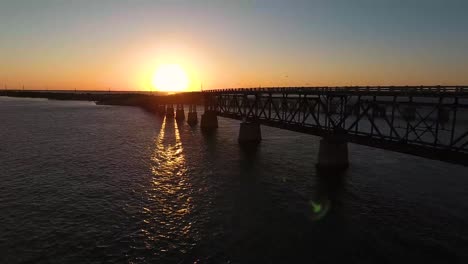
(333, 153)
(180, 113)
(161, 110)
(249, 133)
(170, 111)
(209, 120)
(192, 115)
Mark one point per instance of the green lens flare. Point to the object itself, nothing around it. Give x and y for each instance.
(319, 209)
(316, 207)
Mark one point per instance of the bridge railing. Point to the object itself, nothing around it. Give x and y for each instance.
(383, 89)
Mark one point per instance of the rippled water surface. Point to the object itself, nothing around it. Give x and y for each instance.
(81, 183)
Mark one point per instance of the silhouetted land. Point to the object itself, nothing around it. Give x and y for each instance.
(148, 102)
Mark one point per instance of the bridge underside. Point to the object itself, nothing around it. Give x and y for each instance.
(422, 151)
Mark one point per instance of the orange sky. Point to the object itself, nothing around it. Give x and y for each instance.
(101, 45)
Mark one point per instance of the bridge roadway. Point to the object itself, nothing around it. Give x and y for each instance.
(427, 121)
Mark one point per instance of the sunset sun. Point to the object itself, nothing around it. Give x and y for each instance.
(170, 78)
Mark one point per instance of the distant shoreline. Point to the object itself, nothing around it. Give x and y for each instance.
(146, 101)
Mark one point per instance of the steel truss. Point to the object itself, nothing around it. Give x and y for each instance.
(425, 122)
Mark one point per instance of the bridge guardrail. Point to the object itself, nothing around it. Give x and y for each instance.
(404, 89)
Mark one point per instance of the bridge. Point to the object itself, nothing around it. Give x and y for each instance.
(427, 121)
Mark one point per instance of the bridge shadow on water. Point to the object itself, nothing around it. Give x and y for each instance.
(247, 214)
(211, 140)
(265, 228)
(329, 193)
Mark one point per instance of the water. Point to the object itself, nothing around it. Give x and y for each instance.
(81, 183)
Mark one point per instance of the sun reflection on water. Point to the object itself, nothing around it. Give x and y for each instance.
(170, 195)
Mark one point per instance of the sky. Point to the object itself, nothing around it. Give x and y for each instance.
(118, 45)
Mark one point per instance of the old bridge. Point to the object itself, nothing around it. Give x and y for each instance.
(427, 121)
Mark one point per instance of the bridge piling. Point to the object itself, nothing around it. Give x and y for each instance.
(209, 120)
(333, 153)
(180, 113)
(169, 111)
(192, 115)
(249, 133)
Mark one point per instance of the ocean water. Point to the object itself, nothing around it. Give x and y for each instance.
(82, 183)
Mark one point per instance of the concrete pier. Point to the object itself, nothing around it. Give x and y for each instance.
(209, 120)
(249, 133)
(192, 115)
(170, 111)
(180, 113)
(192, 118)
(333, 153)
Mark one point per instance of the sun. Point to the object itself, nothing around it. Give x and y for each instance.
(170, 78)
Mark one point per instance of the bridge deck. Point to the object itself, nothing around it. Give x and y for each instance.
(461, 89)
